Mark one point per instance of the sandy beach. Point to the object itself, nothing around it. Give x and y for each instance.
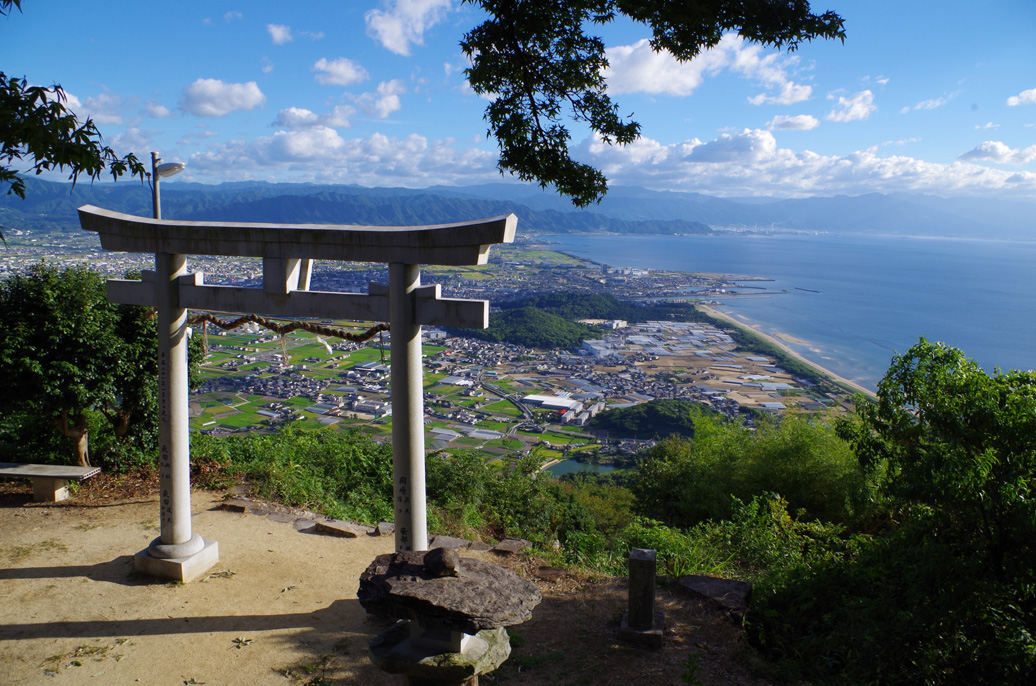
(783, 346)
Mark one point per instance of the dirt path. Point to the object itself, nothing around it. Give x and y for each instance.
(280, 608)
(72, 611)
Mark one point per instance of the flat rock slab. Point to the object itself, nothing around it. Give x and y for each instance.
(237, 505)
(727, 593)
(384, 529)
(480, 596)
(510, 546)
(449, 542)
(336, 528)
(550, 573)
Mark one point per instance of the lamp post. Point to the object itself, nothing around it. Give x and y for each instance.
(158, 171)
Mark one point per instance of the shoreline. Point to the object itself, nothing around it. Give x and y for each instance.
(783, 346)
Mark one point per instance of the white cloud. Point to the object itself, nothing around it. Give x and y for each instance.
(402, 23)
(231, 16)
(852, 108)
(744, 163)
(213, 98)
(280, 33)
(306, 144)
(134, 139)
(321, 155)
(299, 118)
(105, 109)
(750, 163)
(932, 104)
(296, 117)
(157, 110)
(267, 65)
(1001, 153)
(340, 72)
(384, 100)
(748, 147)
(638, 68)
(1024, 98)
(903, 141)
(798, 122)
(769, 70)
(987, 125)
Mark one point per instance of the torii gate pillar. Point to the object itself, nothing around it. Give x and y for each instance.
(408, 469)
(287, 251)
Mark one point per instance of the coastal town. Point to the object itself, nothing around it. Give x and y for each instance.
(501, 398)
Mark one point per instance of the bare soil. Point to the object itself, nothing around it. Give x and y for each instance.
(281, 608)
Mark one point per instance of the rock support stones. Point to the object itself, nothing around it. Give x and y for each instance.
(480, 595)
(453, 612)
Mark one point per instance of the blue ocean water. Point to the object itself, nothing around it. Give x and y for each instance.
(865, 297)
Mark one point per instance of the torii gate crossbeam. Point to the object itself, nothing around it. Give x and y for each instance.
(287, 251)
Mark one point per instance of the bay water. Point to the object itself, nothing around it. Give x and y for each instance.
(854, 301)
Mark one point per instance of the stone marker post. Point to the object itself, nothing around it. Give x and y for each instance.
(642, 624)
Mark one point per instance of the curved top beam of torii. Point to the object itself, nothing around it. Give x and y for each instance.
(460, 244)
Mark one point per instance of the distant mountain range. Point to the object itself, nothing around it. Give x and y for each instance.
(625, 210)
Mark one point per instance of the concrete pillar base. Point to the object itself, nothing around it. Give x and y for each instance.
(176, 551)
(183, 569)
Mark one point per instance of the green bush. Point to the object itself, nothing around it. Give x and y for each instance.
(687, 481)
(515, 501)
(947, 594)
(344, 475)
(762, 537)
(907, 610)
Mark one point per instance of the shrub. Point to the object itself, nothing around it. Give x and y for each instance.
(345, 475)
(684, 482)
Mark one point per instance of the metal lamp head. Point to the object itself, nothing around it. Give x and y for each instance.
(169, 169)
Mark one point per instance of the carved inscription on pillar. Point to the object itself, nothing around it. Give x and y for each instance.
(165, 458)
(403, 511)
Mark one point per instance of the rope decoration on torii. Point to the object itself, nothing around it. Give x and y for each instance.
(283, 329)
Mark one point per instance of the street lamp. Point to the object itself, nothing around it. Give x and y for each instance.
(158, 171)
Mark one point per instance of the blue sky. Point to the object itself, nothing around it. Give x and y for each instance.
(925, 95)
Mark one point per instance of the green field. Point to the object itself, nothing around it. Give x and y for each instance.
(503, 407)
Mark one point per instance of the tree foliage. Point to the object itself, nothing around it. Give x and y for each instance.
(576, 305)
(947, 593)
(961, 444)
(652, 419)
(532, 328)
(66, 354)
(685, 481)
(538, 64)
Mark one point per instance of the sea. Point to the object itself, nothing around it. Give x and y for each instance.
(852, 302)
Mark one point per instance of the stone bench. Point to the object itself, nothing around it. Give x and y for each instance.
(49, 481)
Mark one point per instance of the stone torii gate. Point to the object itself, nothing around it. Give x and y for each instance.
(288, 251)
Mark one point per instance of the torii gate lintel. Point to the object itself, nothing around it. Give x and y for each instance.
(288, 251)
